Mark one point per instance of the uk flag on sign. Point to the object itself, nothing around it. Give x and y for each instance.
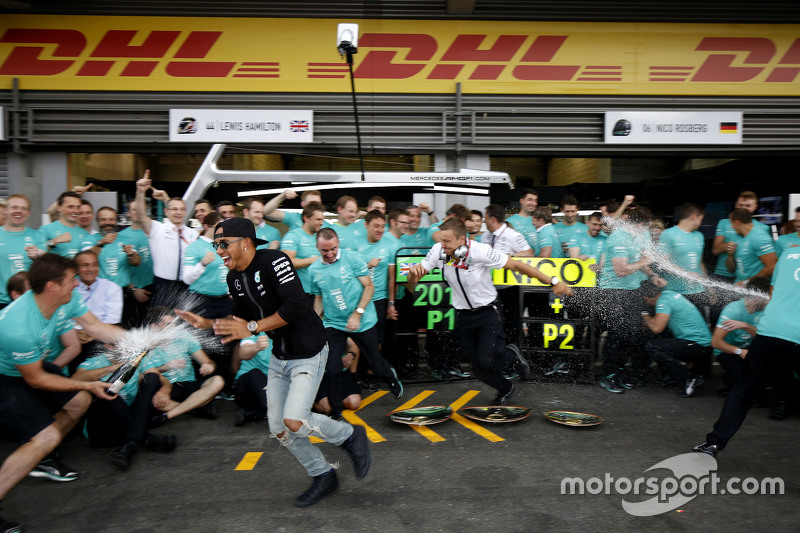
(298, 126)
(405, 268)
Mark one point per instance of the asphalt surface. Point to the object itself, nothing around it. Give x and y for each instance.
(465, 481)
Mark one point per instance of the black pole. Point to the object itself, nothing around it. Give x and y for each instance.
(355, 113)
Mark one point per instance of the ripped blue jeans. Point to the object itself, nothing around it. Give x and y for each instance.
(291, 388)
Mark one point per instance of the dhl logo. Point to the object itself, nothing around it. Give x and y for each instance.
(386, 56)
(115, 45)
(476, 57)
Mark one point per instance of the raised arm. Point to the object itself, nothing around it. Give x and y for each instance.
(142, 186)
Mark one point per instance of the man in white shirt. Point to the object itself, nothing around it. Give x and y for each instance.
(168, 243)
(467, 268)
(507, 241)
(103, 298)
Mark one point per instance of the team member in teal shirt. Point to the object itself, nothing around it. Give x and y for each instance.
(590, 244)
(725, 234)
(123, 421)
(792, 239)
(735, 330)
(619, 304)
(343, 289)
(253, 210)
(546, 236)
(754, 256)
(414, 237)
(690, 341)
(64, 236)
(253, 358)
(347, 228)
(774, 353)
(378, 252)
(20, 245)
(300, 244)
(116, 258)
(291, 219)
(38, 406)
(683, 246)
(137, 292)
(568, 228)
(523, 221)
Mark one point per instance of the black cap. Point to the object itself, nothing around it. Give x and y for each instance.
(238, 227)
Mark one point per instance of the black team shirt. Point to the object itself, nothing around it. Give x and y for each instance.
(270, 285)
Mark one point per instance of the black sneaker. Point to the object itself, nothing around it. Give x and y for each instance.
(323, 485)
(54, 470)
(357, 447)
(706, 448)
(779, 412)
(123, 456)
(158, 420)
(395, 386)
(503, 399)
(520, 365)
(611, 384)
(559, 367)
(624, 380)
(10, 527)
(243, 416)
(160, 443)
(666, 380)
(458, 372)
(208, 411)
(369, 383)
(690, 388)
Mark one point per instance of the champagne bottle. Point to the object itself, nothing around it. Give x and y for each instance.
(123, 374)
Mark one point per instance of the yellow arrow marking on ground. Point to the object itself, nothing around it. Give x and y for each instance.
(249, 460)
(354, 419)
(469, 424)
(425, 431)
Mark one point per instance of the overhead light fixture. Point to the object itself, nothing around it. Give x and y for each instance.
(462, 190)
(356, 185)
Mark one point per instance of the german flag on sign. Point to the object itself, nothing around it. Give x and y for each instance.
(728, 127)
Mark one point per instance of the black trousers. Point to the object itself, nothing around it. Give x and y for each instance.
(222, 354)
(367, 342)
(619, 311)
(111, 423)
(483, 340)
(509, 297)
(768, 357)
(669, 352)
(251, 394)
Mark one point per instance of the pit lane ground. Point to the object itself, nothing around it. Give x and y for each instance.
(463, 481)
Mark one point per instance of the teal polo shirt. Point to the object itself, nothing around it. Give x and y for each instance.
(621, 244)
(214, 279)
(685, 321)
(384, 250)
(13, 257)
(305, 246)
(341, 290)
(26, 336)
(684, 250)
(140, 276)
(780, 316)
(524, 225)
(80, 238)
(748, 250)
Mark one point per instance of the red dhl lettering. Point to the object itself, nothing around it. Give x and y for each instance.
(388, 56)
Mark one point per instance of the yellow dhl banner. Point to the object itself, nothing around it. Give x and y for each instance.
(573, 272)
(398, 56)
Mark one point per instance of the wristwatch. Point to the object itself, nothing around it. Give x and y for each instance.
(51, 244)
(737, 351)
(554, 281)
(360, 310)
(390, 303)
(252, 327)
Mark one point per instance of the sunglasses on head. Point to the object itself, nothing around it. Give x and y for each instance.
(224, 244)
